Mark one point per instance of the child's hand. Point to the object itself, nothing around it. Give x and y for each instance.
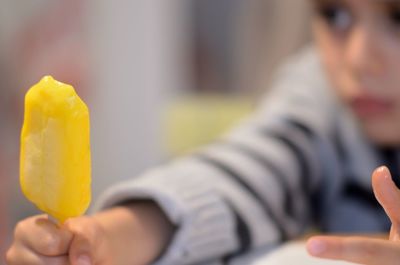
(131, 234)
(80, 241)
(364, 250)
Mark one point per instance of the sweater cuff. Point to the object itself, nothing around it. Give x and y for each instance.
(206, 228)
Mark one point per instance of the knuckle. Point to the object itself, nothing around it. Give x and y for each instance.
(96, 232)
(367, 252)
(10, 256)
(93, 229)
(24, 226)
(86, 228)
(50, 244)
(20, 229)
(370, 249)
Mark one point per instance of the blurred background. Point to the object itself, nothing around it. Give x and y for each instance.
(160, 77)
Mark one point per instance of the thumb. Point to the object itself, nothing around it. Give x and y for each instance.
(387, 194)
(80, 252)
(85, 244)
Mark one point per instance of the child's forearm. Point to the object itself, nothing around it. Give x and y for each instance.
(138, 231)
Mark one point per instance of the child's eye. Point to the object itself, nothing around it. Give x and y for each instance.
(394, 16)
(336, 16)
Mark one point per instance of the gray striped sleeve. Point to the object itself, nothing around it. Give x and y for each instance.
(250, 189)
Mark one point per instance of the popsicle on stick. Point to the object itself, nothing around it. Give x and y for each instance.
(55, 166)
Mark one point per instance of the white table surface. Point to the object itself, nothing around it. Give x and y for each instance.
(292, 253)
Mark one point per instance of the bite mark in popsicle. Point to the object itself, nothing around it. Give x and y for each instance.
(55, 166)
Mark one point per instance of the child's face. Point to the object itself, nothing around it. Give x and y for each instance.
(359, 42)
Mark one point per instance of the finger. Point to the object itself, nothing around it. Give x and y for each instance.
(86, 244)
(387, 193)
(43, 236)
(19, 255)
(361, 250)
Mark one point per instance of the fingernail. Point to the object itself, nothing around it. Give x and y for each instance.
(316, 247)
(83, 260)
(381, 169)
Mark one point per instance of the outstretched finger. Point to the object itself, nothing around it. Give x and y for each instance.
(387, 193)
(369, 251)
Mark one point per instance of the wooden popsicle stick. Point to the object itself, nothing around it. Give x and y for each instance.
(53, 220)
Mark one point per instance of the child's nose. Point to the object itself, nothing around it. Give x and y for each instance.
(363, 51)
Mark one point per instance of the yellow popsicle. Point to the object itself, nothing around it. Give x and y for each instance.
(55, 150)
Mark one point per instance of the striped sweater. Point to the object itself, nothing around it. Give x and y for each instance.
(299, 162)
